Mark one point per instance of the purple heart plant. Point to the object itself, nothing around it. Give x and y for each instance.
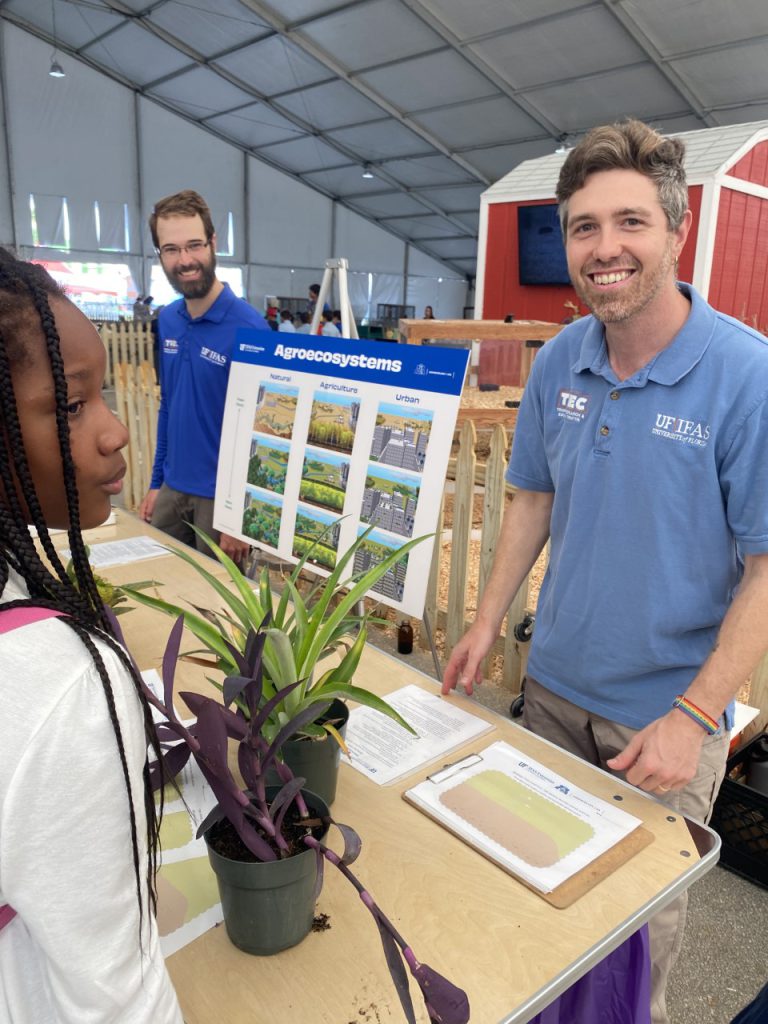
(237, 720)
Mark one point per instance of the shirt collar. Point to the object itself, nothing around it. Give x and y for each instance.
(217, 311)
(673, 362)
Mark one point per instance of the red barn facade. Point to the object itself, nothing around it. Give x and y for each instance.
(725, 257)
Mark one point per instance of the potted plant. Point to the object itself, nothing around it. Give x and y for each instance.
(254, 832)
(300, 630)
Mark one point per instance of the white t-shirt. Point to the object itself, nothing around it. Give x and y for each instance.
(71, 955)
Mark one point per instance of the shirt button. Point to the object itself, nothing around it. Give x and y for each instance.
(605, 431)
(614, 395)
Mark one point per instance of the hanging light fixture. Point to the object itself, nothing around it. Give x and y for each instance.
(367, 172)
(562, 144)
(57, 71)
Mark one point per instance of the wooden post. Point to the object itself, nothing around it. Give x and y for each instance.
(430, 602)
(494, 500)
(460, 538)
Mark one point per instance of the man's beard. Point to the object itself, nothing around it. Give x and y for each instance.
(194, 289)
(608, 308)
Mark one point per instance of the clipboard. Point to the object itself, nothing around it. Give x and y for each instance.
(478, 766)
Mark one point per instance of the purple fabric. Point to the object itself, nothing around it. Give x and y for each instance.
(616, 991)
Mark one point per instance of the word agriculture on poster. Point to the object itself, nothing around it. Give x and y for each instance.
(325, 438)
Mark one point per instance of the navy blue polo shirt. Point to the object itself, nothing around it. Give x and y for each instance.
(194, 369)
(660, 487)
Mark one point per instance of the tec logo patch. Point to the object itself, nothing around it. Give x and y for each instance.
(572, 405)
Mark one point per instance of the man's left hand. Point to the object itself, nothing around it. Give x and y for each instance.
(663, 756)
(236, 549)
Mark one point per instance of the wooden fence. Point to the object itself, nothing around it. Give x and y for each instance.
(137, 399)
(469, 478)
(127, 343)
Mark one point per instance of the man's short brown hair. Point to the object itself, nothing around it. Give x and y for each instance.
(187, 203)
(633, 146)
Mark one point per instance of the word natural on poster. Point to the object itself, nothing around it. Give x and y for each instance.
(324, 438)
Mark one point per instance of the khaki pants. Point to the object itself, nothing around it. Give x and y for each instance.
(596, 739)
(174, 511)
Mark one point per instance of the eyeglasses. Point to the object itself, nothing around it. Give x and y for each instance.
(174, 251)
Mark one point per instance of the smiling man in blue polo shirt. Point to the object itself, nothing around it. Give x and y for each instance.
(640, 452)
(196, 335)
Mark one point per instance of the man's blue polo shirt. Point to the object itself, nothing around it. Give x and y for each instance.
(194, 368)
(660, 483)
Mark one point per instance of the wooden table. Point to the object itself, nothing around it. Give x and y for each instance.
(510, 950)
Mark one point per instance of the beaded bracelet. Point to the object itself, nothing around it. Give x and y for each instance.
(709, 725)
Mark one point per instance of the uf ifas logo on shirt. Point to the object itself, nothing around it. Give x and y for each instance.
(170, 346)
(677, 428)
(213, 357)
(572, 405)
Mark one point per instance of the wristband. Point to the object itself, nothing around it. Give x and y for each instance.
(709, 725)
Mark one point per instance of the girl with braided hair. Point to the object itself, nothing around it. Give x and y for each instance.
(78, 828)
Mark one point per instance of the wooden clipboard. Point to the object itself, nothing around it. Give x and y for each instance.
(565, 894)
(574, 887)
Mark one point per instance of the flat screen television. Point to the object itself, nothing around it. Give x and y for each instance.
(540, 245)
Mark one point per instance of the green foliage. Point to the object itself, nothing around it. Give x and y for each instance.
(303, 628)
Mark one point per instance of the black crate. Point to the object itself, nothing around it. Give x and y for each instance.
(740, 817)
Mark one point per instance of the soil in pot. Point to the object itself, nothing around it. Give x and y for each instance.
(267, 906)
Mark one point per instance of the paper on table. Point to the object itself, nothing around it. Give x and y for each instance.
(385, 752)
(121, 552)
(188, 896)
(525, 817)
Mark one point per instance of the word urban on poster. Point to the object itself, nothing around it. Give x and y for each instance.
(325, 438)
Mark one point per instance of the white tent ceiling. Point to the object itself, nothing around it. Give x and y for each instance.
(439, 98)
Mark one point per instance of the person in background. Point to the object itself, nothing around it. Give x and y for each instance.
(428, 314)
(337, 321)
(639, 452)
(314, 294)
(286, 322)
(79, 836)
(197, 335)
(329, 328)
(305, 325)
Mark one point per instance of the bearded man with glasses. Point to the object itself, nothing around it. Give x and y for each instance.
(196, 336)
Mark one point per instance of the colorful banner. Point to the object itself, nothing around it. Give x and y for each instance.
(324, 438)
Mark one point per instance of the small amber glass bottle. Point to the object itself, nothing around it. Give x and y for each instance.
(404, 637)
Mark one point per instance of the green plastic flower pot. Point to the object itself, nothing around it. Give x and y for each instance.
(268, 906)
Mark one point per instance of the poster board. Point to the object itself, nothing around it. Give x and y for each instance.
(324, 438)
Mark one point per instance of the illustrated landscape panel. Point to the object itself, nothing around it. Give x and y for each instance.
(390, 498)
(401, 436)
(261, 516)
(316, 535)
(268, 463)
(333, 421)
(275, 410)
(324, 477)
(374, 549)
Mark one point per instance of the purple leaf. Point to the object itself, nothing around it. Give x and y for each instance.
(295, 725)
(170, 657)
(214, 816)
(257, 721)
(237, 657)
(249, 763)
(172, 763)
(445, 1002)
(352, 843)
(229, 796)
(396, 970)
(233, 687)
(236, 727)
(284, 799)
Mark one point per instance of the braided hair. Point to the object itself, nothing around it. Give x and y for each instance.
(25, 314)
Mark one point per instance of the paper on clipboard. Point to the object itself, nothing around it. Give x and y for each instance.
(528, 819)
